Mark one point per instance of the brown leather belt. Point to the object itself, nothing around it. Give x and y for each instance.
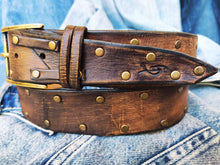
(146, 75)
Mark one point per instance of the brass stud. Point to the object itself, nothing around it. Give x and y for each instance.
(150, 57)
(26, 114)
(35, 73)
(185, 108)
(27, 92)
(100, 99)
(15, 40)
(164, 123)
(144, 96)
(47, 123)
(180, 89)
(57, 99)
(178, 44)
(199, 70)
(175, 75)
(134, 41)
(124, 128)
(125, 75)
(82, 127)
(52, 45)
(99, 52)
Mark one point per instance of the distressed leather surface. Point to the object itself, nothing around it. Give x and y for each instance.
(74, 64)
(58, 66)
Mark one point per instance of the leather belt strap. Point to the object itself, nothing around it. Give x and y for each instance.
(147, 73)
(104, 112)
(121, 65)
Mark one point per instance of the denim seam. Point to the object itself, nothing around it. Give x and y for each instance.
(62, 149)
(190, 151)
(204, 149)
(13, 112)
(83, 144)
(48, 152)
(53, 158)
(208, 139)
(50, 132)
(176, 145)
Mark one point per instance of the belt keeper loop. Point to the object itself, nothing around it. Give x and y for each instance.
(75, 57)
(64, 60)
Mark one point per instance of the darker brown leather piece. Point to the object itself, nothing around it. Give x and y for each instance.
(118, 109)
(106, 70)
(65, 56)
(36, 43)
(75, 57)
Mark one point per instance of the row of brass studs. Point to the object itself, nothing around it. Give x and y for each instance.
(36, 74)
(99, 51)
(52, 44)
(126, 75)
(83, 127)
(175, 75)
(27, 92)
(124, 128)
(135, 41)
(100, 99)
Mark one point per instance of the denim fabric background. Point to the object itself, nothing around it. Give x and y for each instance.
(194, 140)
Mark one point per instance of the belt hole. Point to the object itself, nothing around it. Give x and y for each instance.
(16, 55)
(42, 56)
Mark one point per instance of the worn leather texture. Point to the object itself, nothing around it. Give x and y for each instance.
(33, 53)
(74, 63)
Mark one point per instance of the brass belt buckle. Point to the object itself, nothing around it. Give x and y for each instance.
(5, 41)
(6, 53)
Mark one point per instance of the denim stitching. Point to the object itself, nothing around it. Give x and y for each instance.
(61, 150)
(168, 158)
(176, 145)
(208, 139)
(82, 144)
(59, 144)
(54, 160)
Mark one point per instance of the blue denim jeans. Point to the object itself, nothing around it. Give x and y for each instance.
(194, 140)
